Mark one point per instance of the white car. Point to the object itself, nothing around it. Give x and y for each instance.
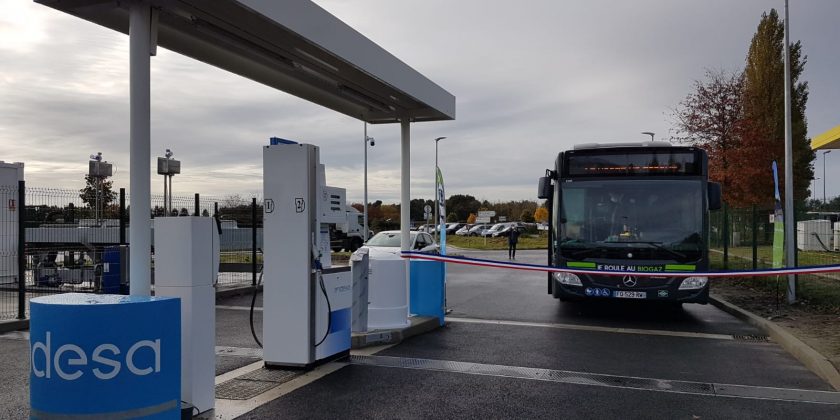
(389, 242)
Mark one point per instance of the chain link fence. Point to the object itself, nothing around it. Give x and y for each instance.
(73, 246)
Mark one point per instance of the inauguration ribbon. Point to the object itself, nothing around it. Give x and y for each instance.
(478, 262)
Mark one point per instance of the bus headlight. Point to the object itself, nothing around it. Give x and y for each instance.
(694, 283)
(567, 279)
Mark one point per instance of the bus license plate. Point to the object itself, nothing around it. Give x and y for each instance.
(630, 295)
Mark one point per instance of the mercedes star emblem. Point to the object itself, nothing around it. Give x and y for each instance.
(629, 281)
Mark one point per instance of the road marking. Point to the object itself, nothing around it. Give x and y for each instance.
(16, 335)
(667, 333)
(602, 380)
(239, 308)
(239, 372)
(231, 409)
(591, 328)
(239, 351)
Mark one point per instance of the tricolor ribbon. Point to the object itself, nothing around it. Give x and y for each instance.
(414, 255)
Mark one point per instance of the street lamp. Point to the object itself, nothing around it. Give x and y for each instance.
(436, 186)
(824, 178)
(649, 133)
(372, 143)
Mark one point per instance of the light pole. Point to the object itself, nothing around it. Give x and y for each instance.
(436, 186)
(814, 189)
(372, 143)
(824, 178)
(649, 133)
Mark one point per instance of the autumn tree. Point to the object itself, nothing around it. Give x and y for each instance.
(763, 130)
(710, 117)
(471, 218)
(541, 214)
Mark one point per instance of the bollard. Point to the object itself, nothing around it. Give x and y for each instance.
(428, 287)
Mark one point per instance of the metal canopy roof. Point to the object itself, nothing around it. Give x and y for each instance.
(828, 140)
(291, 45)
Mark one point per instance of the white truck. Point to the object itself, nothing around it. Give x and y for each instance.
(349, 236)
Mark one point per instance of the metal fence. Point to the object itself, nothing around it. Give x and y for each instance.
(742, 239)
(70, 247)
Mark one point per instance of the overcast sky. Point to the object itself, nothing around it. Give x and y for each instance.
(531, 78)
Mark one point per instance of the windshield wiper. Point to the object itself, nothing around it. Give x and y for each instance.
(657, 245)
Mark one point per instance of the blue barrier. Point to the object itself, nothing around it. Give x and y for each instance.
(105, 356)
(428, 289)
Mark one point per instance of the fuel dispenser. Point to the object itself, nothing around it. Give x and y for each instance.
(306, 302)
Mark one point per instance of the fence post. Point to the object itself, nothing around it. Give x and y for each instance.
(21, 250)
(122, 216)
(254, 241)
(215, 209)
(197, 205)
(725, 236)
(755, 237)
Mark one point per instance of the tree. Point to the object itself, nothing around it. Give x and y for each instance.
(88, 193)
(462, 205)
(471, 218)
(763, 130)
(541, 215)
(451, 218)
(710, 118)
(205, 213)
(527, 216)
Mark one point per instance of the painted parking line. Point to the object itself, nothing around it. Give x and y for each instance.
(708, 389)
(591, 328)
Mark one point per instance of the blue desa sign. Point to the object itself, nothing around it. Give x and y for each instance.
(105, 356)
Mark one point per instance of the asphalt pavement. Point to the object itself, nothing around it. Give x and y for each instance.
(504, 322)
(510, 350)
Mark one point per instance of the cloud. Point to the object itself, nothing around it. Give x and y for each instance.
(531, 79)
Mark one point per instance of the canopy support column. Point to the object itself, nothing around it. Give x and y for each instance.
(405, 201)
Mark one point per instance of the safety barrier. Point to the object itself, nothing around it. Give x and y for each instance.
(414, 255)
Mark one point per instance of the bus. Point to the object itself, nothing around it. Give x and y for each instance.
(630, 207)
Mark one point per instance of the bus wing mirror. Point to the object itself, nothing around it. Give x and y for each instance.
(715, 196)
(544, 189)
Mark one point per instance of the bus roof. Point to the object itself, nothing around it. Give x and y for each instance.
(585, 146)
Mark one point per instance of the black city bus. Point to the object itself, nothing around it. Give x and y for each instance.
(636, 207)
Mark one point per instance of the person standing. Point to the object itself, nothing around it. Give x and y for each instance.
(513, 239)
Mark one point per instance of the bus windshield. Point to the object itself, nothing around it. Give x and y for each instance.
(662, 217)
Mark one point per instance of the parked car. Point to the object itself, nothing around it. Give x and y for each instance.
(495, 228)
(477, 230)
(389, 241)
(464, 230)
(451, 228)
(426, 228)
(507, 228)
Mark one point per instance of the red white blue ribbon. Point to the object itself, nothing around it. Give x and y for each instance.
(414, 255)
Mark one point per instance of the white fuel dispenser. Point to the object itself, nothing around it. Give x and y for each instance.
(306, 302)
